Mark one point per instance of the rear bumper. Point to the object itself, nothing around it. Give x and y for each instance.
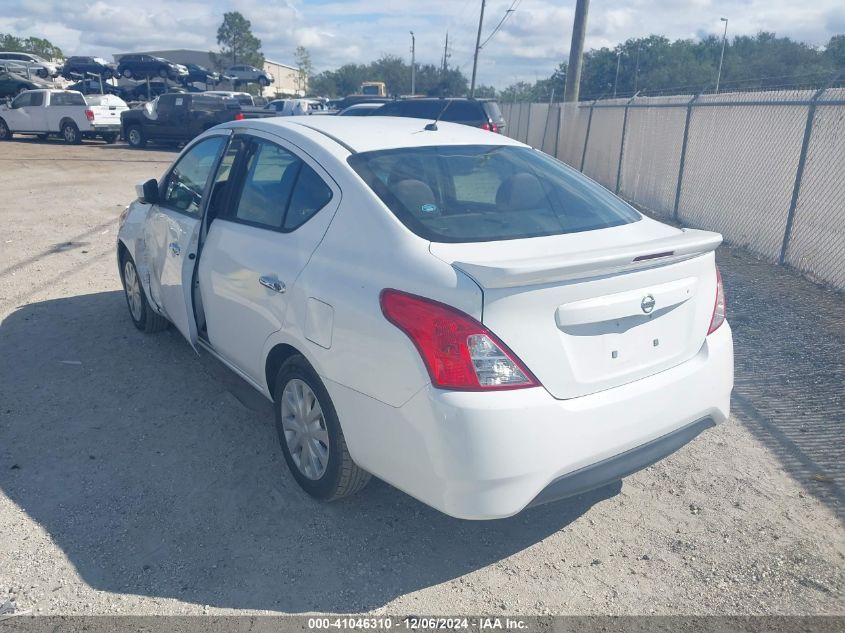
(489, 455)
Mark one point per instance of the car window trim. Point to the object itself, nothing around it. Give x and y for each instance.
(162, 188)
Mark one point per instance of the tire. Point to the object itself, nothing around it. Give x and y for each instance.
(127, 73)
(135, 137)
(263, 82)
(70, 133)
(332, 474)
(162, 72)
(143, 316)
(111, 138)
(5, 132)
(108, 75)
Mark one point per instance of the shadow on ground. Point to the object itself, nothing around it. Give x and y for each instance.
(153, 479)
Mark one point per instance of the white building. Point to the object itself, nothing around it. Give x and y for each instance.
(286, 77)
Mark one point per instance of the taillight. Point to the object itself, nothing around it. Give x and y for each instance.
(90, 115)
(458, 351)
(490, 127)
(720, 306)
(239, 116)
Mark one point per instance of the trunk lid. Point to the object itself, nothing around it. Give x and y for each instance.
(595, 310)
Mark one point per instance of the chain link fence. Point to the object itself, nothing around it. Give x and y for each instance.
(765, 169)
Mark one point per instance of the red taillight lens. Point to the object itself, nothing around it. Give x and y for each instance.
(720, 306)
(239, 116)
(458, 351)
(90, 115)
(490, 127)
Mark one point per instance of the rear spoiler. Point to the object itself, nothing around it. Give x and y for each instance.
(580, 265)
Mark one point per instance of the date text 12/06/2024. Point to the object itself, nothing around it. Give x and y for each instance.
(414, 623)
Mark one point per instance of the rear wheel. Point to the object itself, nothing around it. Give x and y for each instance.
(135, 137)
(262, 81)
(309, 431)
(70, 133)
(5, 133)
(143, 316)
(127, 73)
(162, 72)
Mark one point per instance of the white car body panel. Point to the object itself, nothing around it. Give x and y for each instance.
(475, 455)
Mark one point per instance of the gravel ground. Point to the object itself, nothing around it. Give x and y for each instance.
(137, 477)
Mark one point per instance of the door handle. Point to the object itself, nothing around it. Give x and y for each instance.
(175, 249)
(273, 283)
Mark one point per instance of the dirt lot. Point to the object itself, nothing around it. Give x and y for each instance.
(134, 479)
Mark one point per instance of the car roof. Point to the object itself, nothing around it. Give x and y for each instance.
(365, 134)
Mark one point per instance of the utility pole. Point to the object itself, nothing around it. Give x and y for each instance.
(616, 81)
(722, 56)
(576, 51)
(446, 54)
(477, 48)
(637, 67)
(413, 64)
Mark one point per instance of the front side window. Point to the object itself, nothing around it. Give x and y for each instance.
(187, 180)
(38, 99)
(480, 193)
(22, 101)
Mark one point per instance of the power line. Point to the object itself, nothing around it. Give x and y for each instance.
(514, 6)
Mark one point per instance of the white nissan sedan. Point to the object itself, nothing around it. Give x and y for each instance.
(446, 309)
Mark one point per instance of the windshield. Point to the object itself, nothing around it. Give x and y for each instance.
(480, 193)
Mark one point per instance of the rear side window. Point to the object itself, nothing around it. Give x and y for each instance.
(481, 193)
(270, 175)
(310, 195)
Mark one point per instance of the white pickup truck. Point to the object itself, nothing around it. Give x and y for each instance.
(62, 112)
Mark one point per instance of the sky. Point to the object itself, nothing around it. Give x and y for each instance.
(530, 45)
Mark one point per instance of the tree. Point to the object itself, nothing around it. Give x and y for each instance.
(303, 68)
(36, 45)
(237, 43)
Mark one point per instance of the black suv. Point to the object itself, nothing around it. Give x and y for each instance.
(82, 66)
(141, 66)
(201, 74)
(474, 112)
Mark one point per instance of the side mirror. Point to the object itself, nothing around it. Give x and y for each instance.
(148, 191)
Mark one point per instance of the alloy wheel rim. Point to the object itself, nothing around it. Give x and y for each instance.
(305, 430)
(3, 130)
(134, 137)
(133, 291)
(70, 134)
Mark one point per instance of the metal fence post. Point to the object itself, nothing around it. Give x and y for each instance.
(622, 144)
(557, 129)
(690, 104)
(528, 125)
(799, 173)
(587, 136)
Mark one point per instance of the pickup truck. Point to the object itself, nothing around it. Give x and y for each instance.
(60, 112)
(179, 117)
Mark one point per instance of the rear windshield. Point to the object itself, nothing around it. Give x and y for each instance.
(456, 110)
(480, 193)
(67, 99)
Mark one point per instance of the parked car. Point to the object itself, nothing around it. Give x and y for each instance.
(83, 66)
(202, 75)
(37, 66)
(94, 87)
(60, 112)
(475, 112)
(12, 84)
(179, 117)
(139, 92)
(140, 66)
(360, 109)
(292, 107)
(244, 73)
(244, 98)
(449, 310)
(342, 104)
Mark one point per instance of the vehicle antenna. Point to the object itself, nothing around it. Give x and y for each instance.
(432, 127)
